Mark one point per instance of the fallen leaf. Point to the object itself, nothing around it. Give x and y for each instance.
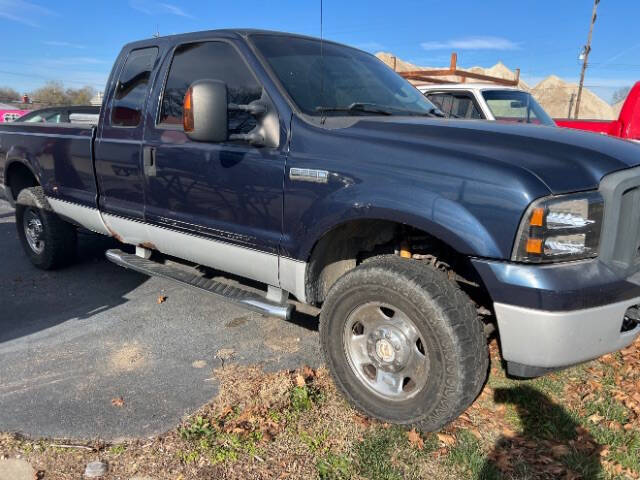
(560, 451)
(615, 426)
(364, 421)
(162, 299)
(308, 372)
(595, 418)
(117, 402)
(446, 438)
(415, 439)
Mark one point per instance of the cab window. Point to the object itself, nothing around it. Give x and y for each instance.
(456, 105)
(133, 85)
(216, 61)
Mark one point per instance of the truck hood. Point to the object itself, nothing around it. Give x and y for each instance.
(563, 160)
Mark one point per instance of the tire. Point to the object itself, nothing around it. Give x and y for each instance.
(425, 387)
(48, 241)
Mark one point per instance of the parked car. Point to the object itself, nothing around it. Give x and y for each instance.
(66, 114)
(10, 115)
(317, 171)
(626, 126)
(481, 101)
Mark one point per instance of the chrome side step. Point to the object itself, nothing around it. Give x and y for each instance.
(249, 300)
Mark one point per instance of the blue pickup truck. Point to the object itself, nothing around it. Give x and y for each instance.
(313, 169)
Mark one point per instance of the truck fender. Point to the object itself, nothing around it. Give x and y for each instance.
(445, 219)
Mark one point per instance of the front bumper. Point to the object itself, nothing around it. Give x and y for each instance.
(554, 316)
(548, 340)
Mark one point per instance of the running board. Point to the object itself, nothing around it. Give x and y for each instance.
(249, 300)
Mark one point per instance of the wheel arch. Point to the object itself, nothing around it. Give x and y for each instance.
(18, 174)
(345, 244)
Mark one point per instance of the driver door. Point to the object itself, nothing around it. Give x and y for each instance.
(220, 203)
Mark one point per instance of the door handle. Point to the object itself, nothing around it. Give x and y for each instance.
(149, 161)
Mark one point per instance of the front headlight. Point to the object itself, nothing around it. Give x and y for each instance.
(560, 228)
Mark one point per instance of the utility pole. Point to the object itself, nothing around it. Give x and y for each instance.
(571, 99)
(585, 54)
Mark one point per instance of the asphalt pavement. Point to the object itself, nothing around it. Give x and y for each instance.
(73, 340)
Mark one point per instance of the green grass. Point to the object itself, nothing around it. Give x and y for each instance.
(467, 455)
(535, 414)
(375, 451)
(334, 467)
(117, 449)
(206, 440)
(303, 398)
(586, 465)
(314, 442)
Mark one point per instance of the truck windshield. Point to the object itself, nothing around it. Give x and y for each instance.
(516, 106)
(331, 79)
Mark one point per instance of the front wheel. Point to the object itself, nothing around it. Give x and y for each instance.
(48, 241)
(403, 343)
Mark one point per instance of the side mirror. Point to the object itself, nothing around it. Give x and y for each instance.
(204, 114)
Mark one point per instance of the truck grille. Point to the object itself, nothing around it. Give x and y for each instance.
(620, 247)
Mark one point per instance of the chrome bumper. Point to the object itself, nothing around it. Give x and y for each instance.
(544, 339)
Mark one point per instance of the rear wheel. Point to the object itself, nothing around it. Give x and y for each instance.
(404, 343)
(48, 241)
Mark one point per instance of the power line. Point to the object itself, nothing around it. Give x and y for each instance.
(35, 75)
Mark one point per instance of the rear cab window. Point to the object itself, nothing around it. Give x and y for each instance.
(457, 105)
(214, 60)
(132, 88)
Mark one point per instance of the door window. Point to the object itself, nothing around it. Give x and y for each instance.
(132, 88)
(215, 61)
(456, 105)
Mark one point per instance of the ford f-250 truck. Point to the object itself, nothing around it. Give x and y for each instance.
(315, 170)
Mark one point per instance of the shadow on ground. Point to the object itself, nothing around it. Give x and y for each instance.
(552, 442)
(33, 300)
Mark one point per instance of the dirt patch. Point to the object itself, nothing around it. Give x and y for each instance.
(238, 321)
(199, 364)
(130, 357)
(283, 344)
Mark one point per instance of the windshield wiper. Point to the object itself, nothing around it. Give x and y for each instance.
(356, 108)
(436, 112)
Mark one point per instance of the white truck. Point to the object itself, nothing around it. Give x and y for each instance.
(482, 101)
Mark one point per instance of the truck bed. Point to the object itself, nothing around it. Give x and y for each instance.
(60, 154)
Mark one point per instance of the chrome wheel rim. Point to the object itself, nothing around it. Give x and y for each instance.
(386, 351)
(33, 230)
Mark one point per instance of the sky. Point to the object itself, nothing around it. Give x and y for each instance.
(75, 42)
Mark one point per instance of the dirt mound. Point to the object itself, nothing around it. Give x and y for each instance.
(498, 70)
(617, 108)
(553, 93)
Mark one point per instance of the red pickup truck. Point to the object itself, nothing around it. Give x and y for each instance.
(626, 126)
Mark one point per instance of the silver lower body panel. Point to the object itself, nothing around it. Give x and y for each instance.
(558, 339)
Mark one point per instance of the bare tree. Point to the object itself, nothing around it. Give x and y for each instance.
(51, 94)
(80, 96)
(8, 94)
(54, 93)
(621, 94)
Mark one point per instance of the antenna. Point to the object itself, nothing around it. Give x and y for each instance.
(323, 118)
